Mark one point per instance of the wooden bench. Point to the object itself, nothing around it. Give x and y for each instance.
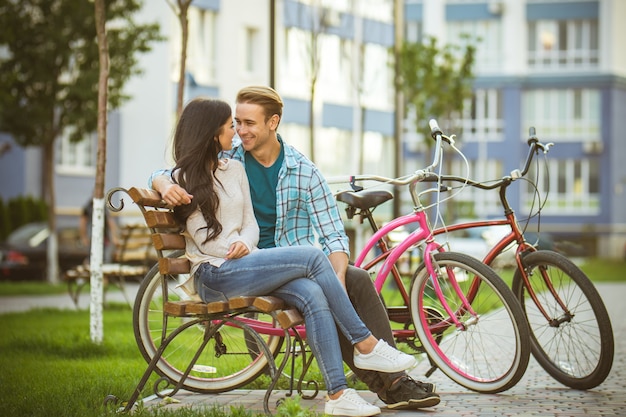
(166, 238)
(133, 255)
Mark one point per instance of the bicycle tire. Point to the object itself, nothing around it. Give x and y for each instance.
(217, 370)
(490, 353)
(577, 352)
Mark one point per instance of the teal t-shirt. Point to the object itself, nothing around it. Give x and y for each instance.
(263, 182)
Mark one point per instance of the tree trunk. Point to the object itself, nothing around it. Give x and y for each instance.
(183, 8)
(97, 221)
(52, 273)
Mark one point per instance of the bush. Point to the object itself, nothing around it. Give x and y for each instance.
(19, 211)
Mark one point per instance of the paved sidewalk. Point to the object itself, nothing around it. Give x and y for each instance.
(9, 304)
(537, 394)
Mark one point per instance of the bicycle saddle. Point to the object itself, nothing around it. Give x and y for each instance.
(365, 199)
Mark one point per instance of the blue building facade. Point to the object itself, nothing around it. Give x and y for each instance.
(554, 65)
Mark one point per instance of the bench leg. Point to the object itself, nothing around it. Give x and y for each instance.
(210, 332)
(74, 288)
(153, 363)
(307, 361)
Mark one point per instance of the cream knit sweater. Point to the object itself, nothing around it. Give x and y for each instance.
(235, 214)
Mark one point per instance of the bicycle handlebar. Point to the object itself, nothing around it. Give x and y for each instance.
(418, 176)
(535, 146)
(426, 175)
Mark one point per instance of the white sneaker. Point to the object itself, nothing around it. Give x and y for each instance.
(350, 404)
(384, 358)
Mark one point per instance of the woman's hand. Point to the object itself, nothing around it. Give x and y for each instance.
(237, 250)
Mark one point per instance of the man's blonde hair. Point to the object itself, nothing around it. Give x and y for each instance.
(265, 97)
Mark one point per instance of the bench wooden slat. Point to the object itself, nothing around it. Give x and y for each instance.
(268, 303)
(196, 307)
(166, 241)
(174, 266)
(146, 197)
(240, 302)
(217, 307)
(175, 308)
(289, 318)
(160, 219)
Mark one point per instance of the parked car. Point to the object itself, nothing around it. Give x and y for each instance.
(23, 256)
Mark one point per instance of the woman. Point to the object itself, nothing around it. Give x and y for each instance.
(221, 235)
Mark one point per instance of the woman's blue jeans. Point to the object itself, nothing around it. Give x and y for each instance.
(304, 278)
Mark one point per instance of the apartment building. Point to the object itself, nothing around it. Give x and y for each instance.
(555, 65)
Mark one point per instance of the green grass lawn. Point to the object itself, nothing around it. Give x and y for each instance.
(31, 288)
(50, 367)
(604, 270)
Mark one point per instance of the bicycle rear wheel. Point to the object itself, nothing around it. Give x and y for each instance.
(575, 346)
(489, 353)
(231, 358)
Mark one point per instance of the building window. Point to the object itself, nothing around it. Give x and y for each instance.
(201, 47)
(295, 68)
(558, 44)
(251, 49)
(413, 31)
(335, 78)
(77, 158)
(485, 35)
(563, 115)
(482, 119)
(376, 79)
(569, 187)
(474, 202)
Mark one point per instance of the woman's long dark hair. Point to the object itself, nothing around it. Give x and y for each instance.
(196, 150)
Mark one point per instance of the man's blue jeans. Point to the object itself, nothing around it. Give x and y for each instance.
(305, 279)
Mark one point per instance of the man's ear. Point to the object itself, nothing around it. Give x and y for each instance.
(274, 120)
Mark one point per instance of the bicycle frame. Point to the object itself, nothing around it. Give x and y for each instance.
(421, 235)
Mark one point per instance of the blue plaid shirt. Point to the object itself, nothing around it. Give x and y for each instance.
(305, 206)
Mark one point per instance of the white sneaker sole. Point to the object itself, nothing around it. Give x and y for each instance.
(351, 412)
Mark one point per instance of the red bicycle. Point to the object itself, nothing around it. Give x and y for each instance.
(571, 332)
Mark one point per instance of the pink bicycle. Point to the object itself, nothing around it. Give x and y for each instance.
(457, 310)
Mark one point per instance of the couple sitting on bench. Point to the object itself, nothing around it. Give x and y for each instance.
(222, 241)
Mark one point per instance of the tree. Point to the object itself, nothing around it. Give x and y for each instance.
(435, 81)
(49, 76)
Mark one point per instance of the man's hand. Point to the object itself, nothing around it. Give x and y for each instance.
(237, 250)
(172, 194)
(339, 261)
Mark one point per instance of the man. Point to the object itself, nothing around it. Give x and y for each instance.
(292, 202)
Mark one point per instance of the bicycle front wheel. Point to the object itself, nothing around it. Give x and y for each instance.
(231, 358)
(489, 349)
(574, 344)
